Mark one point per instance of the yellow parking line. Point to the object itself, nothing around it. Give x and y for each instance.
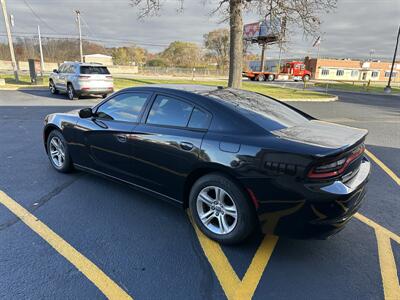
(384, 167)
(390, 280)
(256, 269)
(376, 226)
(233, 287)
(105, 284)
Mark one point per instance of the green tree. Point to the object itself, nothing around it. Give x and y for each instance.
(182, 54)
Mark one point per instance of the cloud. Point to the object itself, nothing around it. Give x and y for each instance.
(352, 30)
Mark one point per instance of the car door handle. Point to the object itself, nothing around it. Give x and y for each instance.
(186, 146)
(121, 138)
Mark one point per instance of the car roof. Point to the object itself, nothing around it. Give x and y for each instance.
(84, 64)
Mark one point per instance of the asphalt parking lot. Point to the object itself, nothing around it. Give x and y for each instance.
(79, 236)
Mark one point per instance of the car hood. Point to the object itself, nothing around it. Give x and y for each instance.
(323, 134)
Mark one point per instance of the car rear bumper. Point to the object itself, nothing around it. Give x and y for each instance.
(95, 90)
(324, 213)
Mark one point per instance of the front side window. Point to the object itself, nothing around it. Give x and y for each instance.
(170, 112)
(62, 68)
(123, 107)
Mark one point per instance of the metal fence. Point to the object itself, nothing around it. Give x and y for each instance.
(186, 72)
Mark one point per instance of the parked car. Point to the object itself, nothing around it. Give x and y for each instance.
(227, 154)
(77, 79)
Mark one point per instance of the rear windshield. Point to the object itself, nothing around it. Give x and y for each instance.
(94, 70)
(266, 112)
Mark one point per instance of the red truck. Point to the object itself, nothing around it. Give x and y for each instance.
(294, 70)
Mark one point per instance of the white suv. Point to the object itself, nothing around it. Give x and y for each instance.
(77, 79)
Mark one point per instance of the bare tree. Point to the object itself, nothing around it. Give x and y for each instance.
(303, 14)
(217, 43)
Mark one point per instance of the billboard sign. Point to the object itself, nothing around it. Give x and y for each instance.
(265, 31)
(251, 31)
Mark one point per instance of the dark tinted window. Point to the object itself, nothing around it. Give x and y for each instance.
(123, 107)
(94, 70)
(199, 119)
(266, 112)
(169, 111)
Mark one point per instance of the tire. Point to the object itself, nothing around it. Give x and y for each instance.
(271, 77)
(52, 87)
(71, 94)
(306, 77)
(261, 77)
(62, 161)
(234, 199)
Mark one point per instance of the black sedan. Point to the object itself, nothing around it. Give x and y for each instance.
(239, 160)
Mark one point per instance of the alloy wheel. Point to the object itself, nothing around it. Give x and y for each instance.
(216, 210)
(70, 93)
(52, 88)
(57, 152)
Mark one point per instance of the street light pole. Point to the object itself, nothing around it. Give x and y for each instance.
(388, 88)
(78, 17)
(10, 41)
(41, 52)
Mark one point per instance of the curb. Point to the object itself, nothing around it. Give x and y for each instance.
(330, 99)
(17, 88)
(354, 92)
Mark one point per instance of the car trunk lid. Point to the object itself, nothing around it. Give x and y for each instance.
(331, 137)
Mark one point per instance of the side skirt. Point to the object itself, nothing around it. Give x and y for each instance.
(135, 186)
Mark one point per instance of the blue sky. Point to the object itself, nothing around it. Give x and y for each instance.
(352, 30)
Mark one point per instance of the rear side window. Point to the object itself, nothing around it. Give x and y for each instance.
(170, 112)
(266, 112)
(123, 107)
(94, 70)
(199, 119)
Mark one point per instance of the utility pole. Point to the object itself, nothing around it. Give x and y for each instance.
(388, 88)
(10, 42)
(262, 56)
(78, 18)
(41, 52)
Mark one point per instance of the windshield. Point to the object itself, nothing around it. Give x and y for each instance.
(266, 112)
(94, 70)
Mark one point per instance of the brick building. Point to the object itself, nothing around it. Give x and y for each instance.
(351, 70)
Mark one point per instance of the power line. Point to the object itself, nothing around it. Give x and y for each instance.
(38, 17)
(87, 25)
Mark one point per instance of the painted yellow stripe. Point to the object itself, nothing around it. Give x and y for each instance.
(105, 284)
(234, 288)
(390, 280)
(220, 264)
(376, 226)
(256, 269)
(384, 167)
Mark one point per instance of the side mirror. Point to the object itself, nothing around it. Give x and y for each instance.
(55, 71)
(85, 113)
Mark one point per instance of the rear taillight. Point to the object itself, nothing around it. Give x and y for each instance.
(336, 167)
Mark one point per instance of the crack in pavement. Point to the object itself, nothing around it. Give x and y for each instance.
(43, 200)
